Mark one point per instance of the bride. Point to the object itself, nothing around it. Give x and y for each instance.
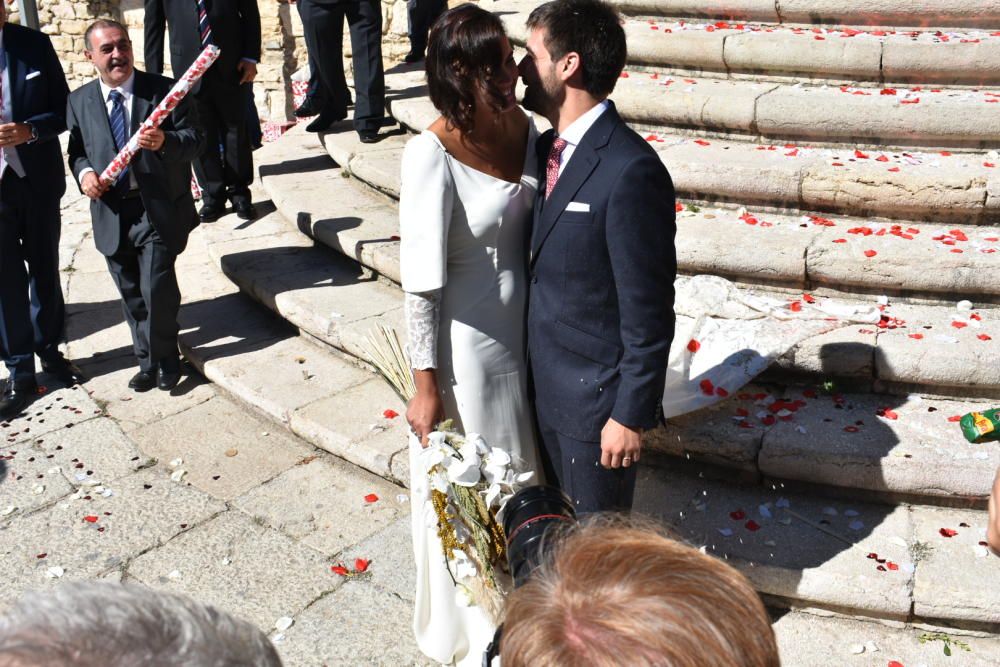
(468, 187)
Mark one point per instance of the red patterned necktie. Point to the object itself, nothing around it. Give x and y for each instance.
(552, 165)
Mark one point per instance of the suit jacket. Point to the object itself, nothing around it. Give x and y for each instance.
(164, 176)
(38, 94)
(600, 300)
(235, 29)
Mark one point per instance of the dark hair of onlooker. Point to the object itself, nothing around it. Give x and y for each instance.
(102, 23)
(464, 49)
(615, 592)
(591, 28)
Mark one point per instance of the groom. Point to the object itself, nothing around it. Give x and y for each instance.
(602, 264)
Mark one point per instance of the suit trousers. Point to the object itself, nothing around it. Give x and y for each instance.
(324, 28)
(421, 15)
(225, 167)
(32, 310)
(143, 270)
(315, 89)
(575, 467)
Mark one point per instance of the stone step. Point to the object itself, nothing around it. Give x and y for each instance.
(982, 14)
(809, 639)
(753, 49)
(849, 557)
(857, 180)
(795, 252)
(892, 446)
(943, 358)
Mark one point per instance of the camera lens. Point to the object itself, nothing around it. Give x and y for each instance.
(530, 515)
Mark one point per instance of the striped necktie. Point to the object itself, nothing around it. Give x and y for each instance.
(119, 130)
(552, 164)
(204, 27)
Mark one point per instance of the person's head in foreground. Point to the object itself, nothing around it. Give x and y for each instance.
(612, 594)
(471, 71)
(993, 528)
(105, 624)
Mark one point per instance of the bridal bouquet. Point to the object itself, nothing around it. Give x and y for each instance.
(470, 483)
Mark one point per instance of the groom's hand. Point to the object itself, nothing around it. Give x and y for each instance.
(425, 410)
(618, 443)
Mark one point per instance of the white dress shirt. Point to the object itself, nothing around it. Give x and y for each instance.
(126, 90)
(10, 157)
(573, 134)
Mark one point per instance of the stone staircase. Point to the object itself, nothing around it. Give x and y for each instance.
(817, 150)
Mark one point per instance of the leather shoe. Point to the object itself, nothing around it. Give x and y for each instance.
(210, 213)
(143, 381)
(325, 120)
(413, 57)
(167, 379)
(17, 398)
(309, 107)
(369, 136)
(65, 371)
(244, 209)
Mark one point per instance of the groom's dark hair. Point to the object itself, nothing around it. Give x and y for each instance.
(591, 28)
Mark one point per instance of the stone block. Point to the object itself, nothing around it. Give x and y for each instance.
(969, 13)
(954, 579)
(694, 49)
(73, 27)
(241, 567)
(707, 103)
(321, 503)
(787, 52)
(205, 438)
(847, 353)
(145, 511)
(954, 62)
(57, 409)
(913, 451)
(361, 436)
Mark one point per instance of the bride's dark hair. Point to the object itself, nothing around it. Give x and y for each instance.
(464, 50)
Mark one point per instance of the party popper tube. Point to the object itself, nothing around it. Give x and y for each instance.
(162, 110)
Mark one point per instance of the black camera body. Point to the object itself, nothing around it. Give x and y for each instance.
(532, 519)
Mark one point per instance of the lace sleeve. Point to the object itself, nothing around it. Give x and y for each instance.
(422, 315)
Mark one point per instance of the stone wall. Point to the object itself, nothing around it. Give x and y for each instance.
(284, 51)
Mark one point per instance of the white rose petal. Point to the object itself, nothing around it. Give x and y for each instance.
(524, 477)
(7, 511)
(175, 574)
(856, 525)
(283, 623)
(38, 490)
(857, 649)
(176, 462)
(178, 475)
(499, 457)
(463, 473)
(54, 572)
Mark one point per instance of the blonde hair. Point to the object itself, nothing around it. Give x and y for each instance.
(622, 594)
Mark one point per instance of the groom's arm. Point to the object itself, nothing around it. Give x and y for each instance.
(640, 229)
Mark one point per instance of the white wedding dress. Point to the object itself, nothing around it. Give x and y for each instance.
(462, 262)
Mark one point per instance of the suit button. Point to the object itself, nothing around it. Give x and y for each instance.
(534, 279)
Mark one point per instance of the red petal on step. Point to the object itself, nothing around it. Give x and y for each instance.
(870, 253)
(90, 518)
(721, 393)
(894, 663)
(360, 565)
(984, 337)
(840, 240)
(888, 91)
(892, 566)
(795, 306)
(959, 325)
(693, 345)
(339, 569)
(707, 387)
(894, 169)
(881, 158)
(737, 515)
(851, 429)
(861, 156)
(948, 532)
(955, 418)
(916, 336)
(752, 526)
(809, 298)
(702, 142)
(678, 207)
(390, 414)
(371, 498)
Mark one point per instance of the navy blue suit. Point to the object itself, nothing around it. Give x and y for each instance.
(600, 305)
(31, 301)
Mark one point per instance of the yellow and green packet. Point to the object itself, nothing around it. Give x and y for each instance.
(981, 426)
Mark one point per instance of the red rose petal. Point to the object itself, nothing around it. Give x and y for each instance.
(840, 240)
(892, 566)
(851, 429)
(768, 420)
(894, 663)
(339, 569)
(707, 387)
(870, 253)
(693, 345)
(916, 336)
(721, 393)
(984, 337)
(795, 306)
(959, 325)
(390, 414)
(360, 565)
(371, 498)
(678, 207)
(90, 519)
(948, 532)
(955, 418)
(738, 515)
(894, 169)
(752, 525)
(809, 298)
(887, 413)
(702, 142)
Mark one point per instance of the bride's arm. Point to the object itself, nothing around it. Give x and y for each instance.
(421, 311)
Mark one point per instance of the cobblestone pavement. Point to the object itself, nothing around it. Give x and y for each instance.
(190, 492)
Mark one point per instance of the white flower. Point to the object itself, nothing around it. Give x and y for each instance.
(435, 439)
(477, 441)
(492, 494)
(462, 471)
(463, 566)
(463, 596)
(498, 457)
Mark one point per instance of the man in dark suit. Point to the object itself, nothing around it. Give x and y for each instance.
(323, 21)
(141, 223)
(233, 26)
(32, 181)
(600, 305)
(420, 15)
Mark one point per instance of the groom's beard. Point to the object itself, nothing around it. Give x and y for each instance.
(540, 100)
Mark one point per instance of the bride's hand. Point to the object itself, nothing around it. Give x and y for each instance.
(425, 410)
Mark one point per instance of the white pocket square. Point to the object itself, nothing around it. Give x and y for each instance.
(32, 75)
(580, 207)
